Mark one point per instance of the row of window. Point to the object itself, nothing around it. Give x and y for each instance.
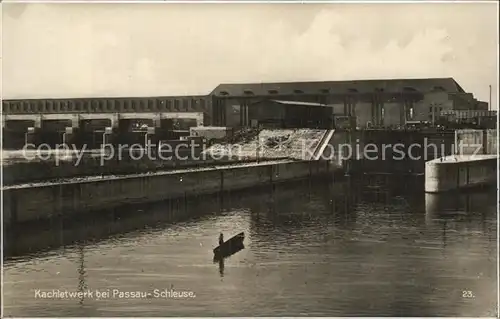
(143, 105)
(469, 113)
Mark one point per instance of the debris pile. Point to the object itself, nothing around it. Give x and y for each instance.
(295, 144)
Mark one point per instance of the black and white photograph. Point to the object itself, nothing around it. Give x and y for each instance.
(249, 159)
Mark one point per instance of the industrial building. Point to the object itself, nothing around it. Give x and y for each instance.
(370, 103)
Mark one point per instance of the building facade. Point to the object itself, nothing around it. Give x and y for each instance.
(195, 103)
(371, 103)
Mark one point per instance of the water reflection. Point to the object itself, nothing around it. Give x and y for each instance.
(460, 205)
(462, 211)
(318, 249)
(94, 227)
(82, 285)
(221, 267)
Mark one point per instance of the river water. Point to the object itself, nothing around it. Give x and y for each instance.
(311, 249)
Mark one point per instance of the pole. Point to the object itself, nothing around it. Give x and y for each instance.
(489, 104)
(433, 109)
(403, 122)
(103, 143)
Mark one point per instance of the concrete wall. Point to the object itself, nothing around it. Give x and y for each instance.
(30, 172)
(27, 203)
(441, 176)
(491, 142)
(397, 151)
(470, 141)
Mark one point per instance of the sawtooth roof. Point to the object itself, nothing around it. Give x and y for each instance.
(338, 87)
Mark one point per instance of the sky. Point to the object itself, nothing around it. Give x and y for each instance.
(95, 49)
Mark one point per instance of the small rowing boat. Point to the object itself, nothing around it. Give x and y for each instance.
(230, 246)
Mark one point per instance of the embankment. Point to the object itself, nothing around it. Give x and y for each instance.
(24, 203)
(49, 171)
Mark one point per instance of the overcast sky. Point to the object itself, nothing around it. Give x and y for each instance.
(79, 50)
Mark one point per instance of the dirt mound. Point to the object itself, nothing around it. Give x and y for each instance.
(276, 141)
(269, 144)
(242, 136)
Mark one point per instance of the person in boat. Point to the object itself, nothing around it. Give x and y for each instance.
(221, 239)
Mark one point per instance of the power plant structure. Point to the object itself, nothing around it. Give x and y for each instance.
(355, 105)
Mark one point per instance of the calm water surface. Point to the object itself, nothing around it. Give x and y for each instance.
(310, 250)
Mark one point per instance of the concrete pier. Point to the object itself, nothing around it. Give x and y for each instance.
(29, 202)
(460, 171)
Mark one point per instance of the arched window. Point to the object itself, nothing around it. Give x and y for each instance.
(248, 92)
(298, 91)
(223, 93)
(273, 91)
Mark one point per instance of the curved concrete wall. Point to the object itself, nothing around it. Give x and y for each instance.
(27, 203)
(441, 176)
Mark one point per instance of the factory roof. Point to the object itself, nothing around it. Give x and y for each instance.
(338, 87)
